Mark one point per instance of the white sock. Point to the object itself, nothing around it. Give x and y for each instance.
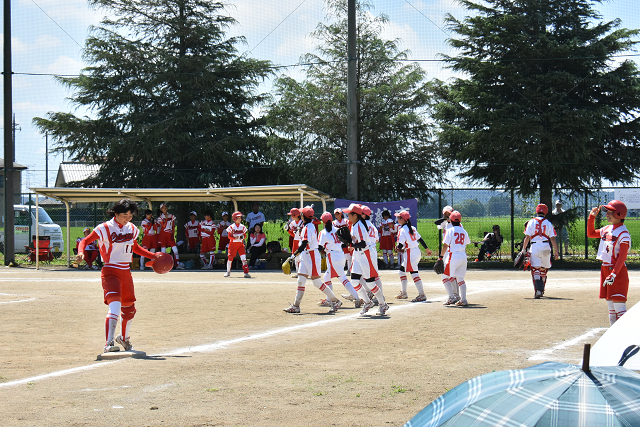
(111, 321)
(385, 257)
(377, 291)
(141, 263)
(463, 290)
(324, 288)
(403, 281)
(175, 252)
(418, 283)
(300, 292)
(349, 287)
(612, 313)
(448, 287)
(621, 308)
(362, 293)
(229, 266)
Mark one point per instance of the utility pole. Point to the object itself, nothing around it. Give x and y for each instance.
(46, 159)
(9, 152)
(352, 103)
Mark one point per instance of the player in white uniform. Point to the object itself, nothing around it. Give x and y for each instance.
(192, 233)
(223, 244)
(444, 224)
(294, 227)
(342, 222)
(117, 242)
(206, 230)
(539, 232)
(237, 233)
(364, 262)
(408, 242)
(454, 251)
(387, 231)
(310, 264)
(332, 246)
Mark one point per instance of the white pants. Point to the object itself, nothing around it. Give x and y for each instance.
(456, 266)
(411, 259)
(540, 255)
(335, 263)
(364, 263)
(310, 263)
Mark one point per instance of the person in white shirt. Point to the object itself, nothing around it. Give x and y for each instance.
(408, 242)
(454, 251)
(539, 233)
(255, 217)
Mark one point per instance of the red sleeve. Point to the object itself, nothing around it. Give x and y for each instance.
(141, 251)
(291, 233)
(83, 243)
(622, 257)
(591, 228)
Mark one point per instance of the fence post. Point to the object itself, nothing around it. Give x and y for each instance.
(586, 218)
(439, 212)
(513, 235)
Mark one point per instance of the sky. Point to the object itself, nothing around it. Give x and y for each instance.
(48, 36)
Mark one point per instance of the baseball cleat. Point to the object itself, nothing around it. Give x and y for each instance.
(324, 303)
(111, 346)
(227, 274)
(358, 303)
(292, 309)
(456, 298)
(374, 300)
(462, 303)
(538, 295)
(348, 297)
(126, 344)
(420, 298)
(247, 276)
(402, 295)
(366, 307)
(335, 305)
(449, 301)
(383, 309)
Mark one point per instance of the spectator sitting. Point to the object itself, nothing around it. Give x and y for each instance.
(257, 240)
(255, 217)
(490, 243)
(90, 251)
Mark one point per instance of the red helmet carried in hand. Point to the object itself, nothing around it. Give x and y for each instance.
(162, 264)
(618, 208)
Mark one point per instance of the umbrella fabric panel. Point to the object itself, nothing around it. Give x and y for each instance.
(455, 400)
(622, 392)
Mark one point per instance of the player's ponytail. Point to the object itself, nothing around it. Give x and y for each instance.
(328, 226)
(364, 222)
(410, 227)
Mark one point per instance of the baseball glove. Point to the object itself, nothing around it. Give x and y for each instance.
(344, 234)
(286, 266)
(438, 267)
(519, 260)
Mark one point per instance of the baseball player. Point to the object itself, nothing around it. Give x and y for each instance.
(364, 262)
(294, 227)
(539, 232)
(330, 243)
(191, 232)
(408, 240)
(342, 222)
(149, 235)
(444, 224)
(387, 230)
(454, 247)
(237, 233)
(222, 230)
(615, 243)
(117, 241)
(310, 264)
(366, 214)
(206, 230)
(167, 232)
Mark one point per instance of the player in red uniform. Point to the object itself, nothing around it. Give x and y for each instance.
(192, 232)
(149, 235)
(166, 237)
(387, 230)
(222, 231)
(238, 234)
(117, 241)
(293, 227)
(208, 244)
(615, 243)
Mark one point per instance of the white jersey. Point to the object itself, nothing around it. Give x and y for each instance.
(374, 231)
(329, 240)
(207, 228)
(407, 239)
(222, 228)
(192, 229)
(360, 234)
(611, 237)
(149, 227)
(340, 224)
(539, 229)
(445, 226)
(309, 234)
(167, 222)
(388, 227)
(296, 229)
(457, 239)
(116, 243)
(237, 232)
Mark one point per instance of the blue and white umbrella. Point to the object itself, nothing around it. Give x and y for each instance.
(549, 394)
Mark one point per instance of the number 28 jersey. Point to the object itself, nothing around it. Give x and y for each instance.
(116, 243)
(457, 239)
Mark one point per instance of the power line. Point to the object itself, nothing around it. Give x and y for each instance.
(54, 21)
(286, 17)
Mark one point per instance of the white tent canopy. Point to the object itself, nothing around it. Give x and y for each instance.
(265, 193)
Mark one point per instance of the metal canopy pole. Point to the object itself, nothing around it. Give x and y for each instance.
(9, 242)
(352, 104)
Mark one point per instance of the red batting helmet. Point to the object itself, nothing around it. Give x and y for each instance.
(308, 212)
(353, 208)
(326, 217)
(403, 214)
(455, 216)
(162, 264)
(366, 210)
(294, 212)
(619, 209)
(236, 214)
(542, 208)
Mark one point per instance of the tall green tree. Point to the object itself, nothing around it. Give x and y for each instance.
(309, 117)
(546, 98)
(168, 99)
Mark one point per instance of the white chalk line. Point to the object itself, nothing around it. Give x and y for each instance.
(544, 354)
(21, 300)
(206, 348)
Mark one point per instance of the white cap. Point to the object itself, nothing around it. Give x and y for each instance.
(558, 202)
(193, 213)
(225, 213)
(447, 209)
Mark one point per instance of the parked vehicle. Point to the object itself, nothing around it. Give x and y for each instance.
(25, 219)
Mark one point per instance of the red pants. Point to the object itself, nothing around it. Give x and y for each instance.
(620, 288)
(90, 257)
(224, 241)
(166, 240)
(117, 286)
(150, 241)
(208, 245)
(236, 248)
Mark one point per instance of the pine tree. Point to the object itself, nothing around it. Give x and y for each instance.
(168, 99)
(546, 99)
(309, 118)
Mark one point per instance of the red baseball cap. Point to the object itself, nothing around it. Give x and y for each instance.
(294, 212)
(455, 216)
(353, 208)
(404, 215)
(366, 210)
(326, 217)
(308, 212)
(542, 208)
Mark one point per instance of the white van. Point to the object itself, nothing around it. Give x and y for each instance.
(21, 229)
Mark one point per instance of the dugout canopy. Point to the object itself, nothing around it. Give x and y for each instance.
(265, 193)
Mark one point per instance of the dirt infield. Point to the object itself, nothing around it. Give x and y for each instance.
(223, 353)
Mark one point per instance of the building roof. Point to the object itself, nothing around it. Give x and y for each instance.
(15, 165)
(74, 171)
